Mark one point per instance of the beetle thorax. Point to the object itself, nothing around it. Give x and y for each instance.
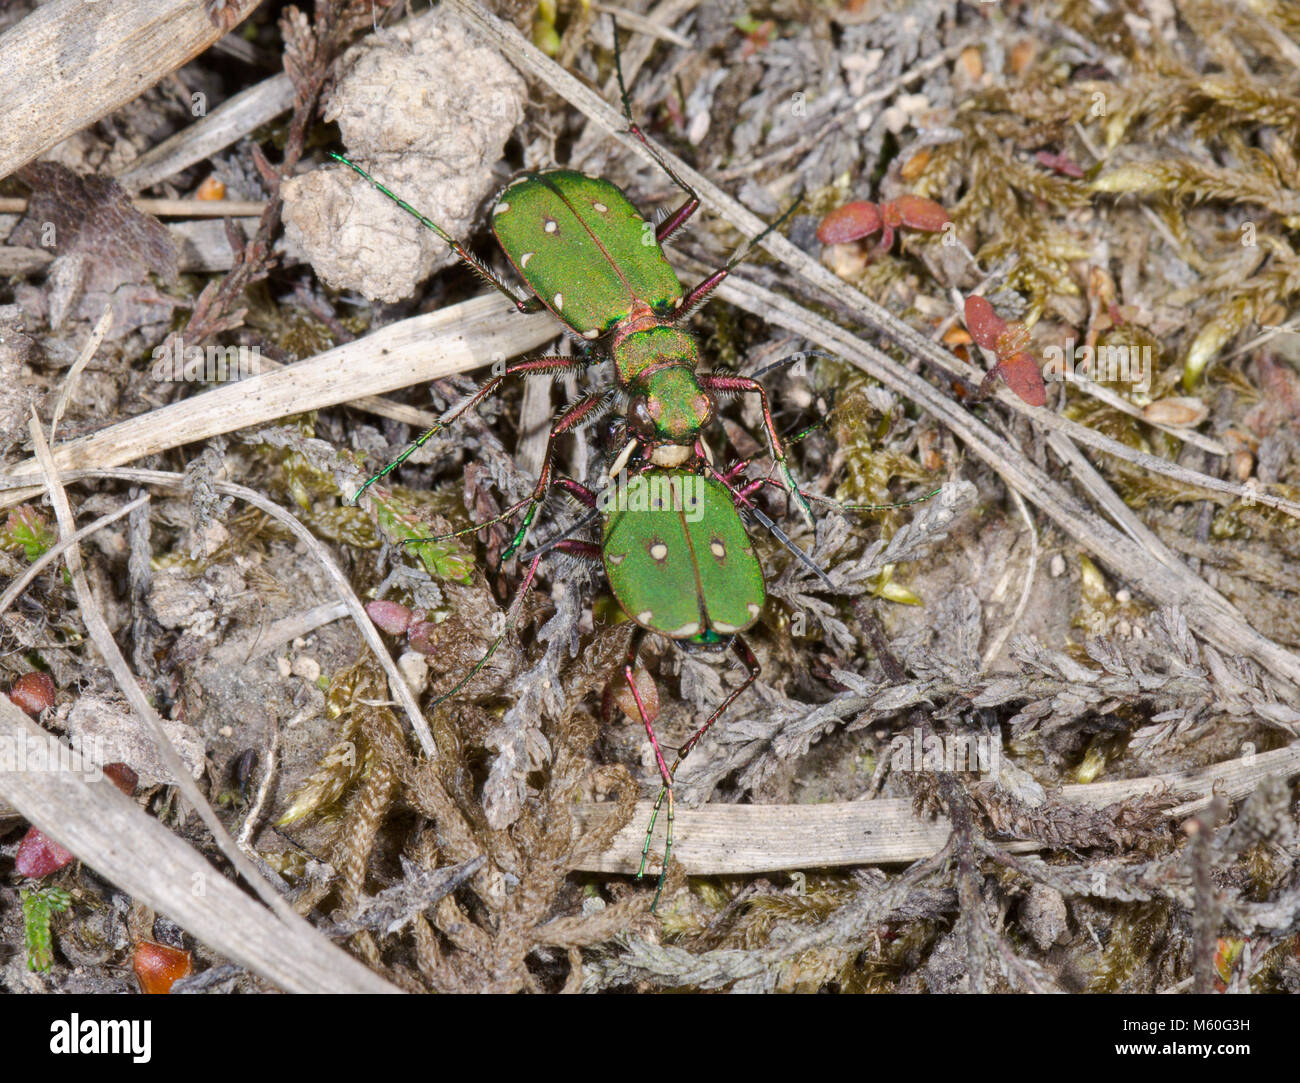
(655, 363)
(647, 342)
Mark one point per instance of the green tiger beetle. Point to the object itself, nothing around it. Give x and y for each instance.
(586, 254)
(674, 547)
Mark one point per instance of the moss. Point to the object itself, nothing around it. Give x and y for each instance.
(1138, 934)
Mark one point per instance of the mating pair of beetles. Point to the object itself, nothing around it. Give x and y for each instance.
(674, 548)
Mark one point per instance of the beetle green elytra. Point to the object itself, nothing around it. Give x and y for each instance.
(577, 242)
(679, 560)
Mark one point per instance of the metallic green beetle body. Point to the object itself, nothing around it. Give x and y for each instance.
(683, 568)
(679, 560)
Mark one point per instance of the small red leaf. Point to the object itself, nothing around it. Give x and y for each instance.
(422, 637)
(33, 692)
(983, 323)
(39, 856)
(390, 617)
(1020, 371)
(849, 223)
(918, 212)
(158, 967)
(1059, 163)
(122, 776)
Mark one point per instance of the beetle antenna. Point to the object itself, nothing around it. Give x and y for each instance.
(464, 254)
(776, 532)
(881, 507)
(793, 359)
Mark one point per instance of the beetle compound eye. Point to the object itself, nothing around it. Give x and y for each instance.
(640, 417)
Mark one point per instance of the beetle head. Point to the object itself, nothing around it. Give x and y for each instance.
(669, 406)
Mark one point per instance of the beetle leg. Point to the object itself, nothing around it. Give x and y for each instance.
(698, 294)
(741, 650)
(679, 217)
(835, 503)
(512, 618)
(724, 382)
(577, 490)
(573, 546)
(577, 548)
(574, 488)
(629, 675)
(550, 365)
(525, 305)
(581, 412)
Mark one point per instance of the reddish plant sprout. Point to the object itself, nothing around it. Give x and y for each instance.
(40, 856)
(26, 529)
(122, 776)
(1060, 163)
(33, 692)
(1016, 367)
(982, 322)
(1020, 373)
(860, 219)
(398, 620)
(37, 855)
(159, 967)
(758, 36)
(849, 223)
(422, 636)
(390, 617)
(1226, 956)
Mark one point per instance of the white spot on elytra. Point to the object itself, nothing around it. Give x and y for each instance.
(500, 208)
(677, 302)
(686, 630)
(599, 207)
(559, 301)
(717, 548)
(593, 333)
(725, 629)
(754, 609)
(659, 551)
(551, 225)
(616, 560)
(645, 616)
(523, 260)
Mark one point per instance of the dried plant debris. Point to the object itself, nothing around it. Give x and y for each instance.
(426, 109)
(103, 247)
(1117, 188)
(18, 351)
